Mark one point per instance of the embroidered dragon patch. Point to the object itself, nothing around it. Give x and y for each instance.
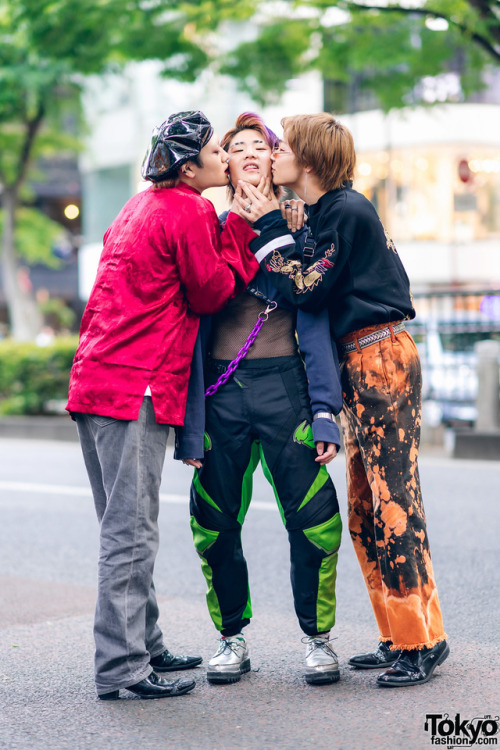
(304, 280)
(390, 243)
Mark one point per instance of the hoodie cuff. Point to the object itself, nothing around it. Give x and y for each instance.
(188, 446)
(326, 431)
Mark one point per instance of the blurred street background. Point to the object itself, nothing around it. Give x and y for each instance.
(81, 87)
(48, 554)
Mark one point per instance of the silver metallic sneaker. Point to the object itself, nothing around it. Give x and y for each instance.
(322, 666)
(230, 661)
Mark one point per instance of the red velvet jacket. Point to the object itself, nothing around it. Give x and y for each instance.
(164, 263)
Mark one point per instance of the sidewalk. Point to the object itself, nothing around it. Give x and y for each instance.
(38, 428)
(43, 428)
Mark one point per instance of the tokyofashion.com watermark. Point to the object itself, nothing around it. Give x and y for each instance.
(458, 732)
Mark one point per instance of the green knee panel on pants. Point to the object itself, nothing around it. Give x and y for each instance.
(203, 539)
(326, 536)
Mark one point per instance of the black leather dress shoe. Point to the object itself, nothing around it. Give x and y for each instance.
(154, 686)
(167, 662)
(378, 659)
(414, 667)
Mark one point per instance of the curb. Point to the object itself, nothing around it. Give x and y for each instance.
(46, 428)
(478, 446)
(39, 428)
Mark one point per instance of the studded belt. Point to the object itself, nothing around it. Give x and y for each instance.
(370, 338)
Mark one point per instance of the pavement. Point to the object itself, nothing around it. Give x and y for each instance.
(48, 553)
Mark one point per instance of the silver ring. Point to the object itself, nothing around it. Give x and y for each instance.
(248, 208)
(294, 208)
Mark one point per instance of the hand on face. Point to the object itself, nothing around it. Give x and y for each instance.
(253, 202)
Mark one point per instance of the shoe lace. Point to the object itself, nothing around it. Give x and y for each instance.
(227, 645)
(316, 643)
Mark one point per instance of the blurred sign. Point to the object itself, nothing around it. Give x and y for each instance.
(464, 171)
(464, 202)
(490, 306)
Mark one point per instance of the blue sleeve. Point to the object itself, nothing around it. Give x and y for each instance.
(189, 439)
(272, 220)
(323, 372)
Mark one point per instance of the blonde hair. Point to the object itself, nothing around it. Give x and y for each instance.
(321, 142)
(249, 121)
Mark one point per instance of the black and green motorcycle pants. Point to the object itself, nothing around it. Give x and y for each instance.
(263, 413)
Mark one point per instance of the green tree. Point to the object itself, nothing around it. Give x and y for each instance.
(47, 48)
(387, 47)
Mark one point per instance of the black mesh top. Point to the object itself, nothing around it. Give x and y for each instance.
(234, 323)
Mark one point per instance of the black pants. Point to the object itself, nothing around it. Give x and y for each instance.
(263, 413)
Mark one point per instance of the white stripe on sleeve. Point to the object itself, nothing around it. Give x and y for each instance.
(285, 239)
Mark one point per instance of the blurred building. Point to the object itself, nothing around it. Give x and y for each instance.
(433, 172)
(434, 176)
(56, 192)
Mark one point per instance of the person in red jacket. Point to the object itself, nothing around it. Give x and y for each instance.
(164, 263)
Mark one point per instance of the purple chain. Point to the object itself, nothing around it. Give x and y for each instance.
(263, 316)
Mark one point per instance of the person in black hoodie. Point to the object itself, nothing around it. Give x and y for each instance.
(355, 272)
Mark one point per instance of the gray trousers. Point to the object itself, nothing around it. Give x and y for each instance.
(124, 461)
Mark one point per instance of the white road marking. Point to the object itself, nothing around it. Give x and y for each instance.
(61, 489)
(46, 489)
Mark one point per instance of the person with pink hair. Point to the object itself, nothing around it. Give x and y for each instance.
(262, 406)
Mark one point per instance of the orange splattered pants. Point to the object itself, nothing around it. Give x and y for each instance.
(381, 421)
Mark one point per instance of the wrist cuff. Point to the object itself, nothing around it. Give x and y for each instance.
(324, 415)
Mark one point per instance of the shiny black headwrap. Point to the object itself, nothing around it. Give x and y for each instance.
(180, 138)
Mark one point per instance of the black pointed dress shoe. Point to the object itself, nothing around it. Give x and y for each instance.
(154, 686)
(378, 659)
(414, 667)
(167, 662)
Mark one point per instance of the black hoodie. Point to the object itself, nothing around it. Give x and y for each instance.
(354, 269)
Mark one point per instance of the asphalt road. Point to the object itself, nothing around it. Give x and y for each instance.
(48, 552)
